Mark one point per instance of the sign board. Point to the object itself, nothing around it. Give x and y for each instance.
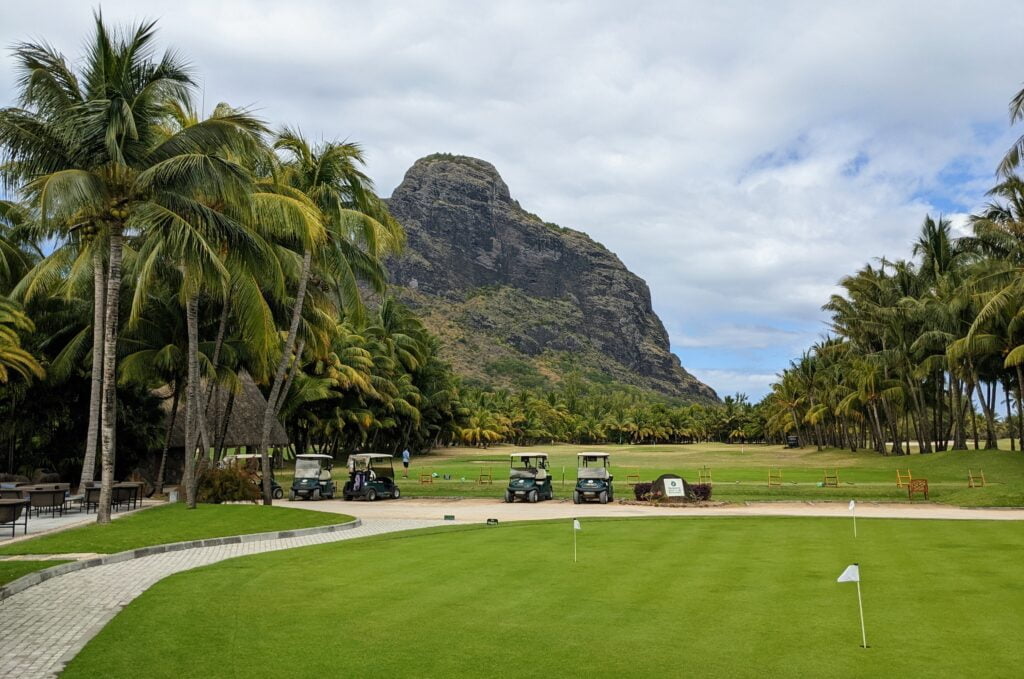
(674, 488)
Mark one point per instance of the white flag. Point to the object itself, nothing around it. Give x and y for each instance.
(853, 505)
(576, 524)
(851, 574)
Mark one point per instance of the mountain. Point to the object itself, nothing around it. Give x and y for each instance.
(520, 302)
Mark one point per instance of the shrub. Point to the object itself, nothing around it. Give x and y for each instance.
(701, 491)
(227, 485)
(642, 490)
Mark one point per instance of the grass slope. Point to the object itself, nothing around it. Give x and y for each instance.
(12, 570)
(740, 473)
(172, 523)
(665, 597)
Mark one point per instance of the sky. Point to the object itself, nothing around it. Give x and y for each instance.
(740, 157)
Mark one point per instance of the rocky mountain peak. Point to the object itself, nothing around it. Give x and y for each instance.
(519, 300)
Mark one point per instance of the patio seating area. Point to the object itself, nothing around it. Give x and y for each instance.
(41, 508)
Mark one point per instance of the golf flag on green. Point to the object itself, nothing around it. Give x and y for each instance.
(576, 524)
(852, 574)
(853, 510)
(575, 527)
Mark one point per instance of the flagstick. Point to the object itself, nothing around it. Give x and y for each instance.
(854, 522)
(573, 525)
(860, 605)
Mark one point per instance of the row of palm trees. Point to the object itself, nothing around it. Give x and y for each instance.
(582, 413)
(168, 248)
(925, 351)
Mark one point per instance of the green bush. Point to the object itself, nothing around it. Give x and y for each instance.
(227, 485)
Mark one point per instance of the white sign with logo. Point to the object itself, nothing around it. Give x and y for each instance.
(674, 488)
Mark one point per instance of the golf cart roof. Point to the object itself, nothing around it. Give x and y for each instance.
(372, 456)
(604, 455)
(519, 456)
(313, 456)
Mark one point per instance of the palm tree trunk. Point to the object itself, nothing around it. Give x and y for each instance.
(191, 401)
(167, 437)
(1020, 410)
(269, 415)
(1009, 416)
(99, 312)
(108, 401)
(291, 376)
(224, 424)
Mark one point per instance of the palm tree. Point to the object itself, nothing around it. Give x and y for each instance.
(91, 149)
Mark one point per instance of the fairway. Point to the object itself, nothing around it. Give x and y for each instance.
(739, 472)
(672, 597)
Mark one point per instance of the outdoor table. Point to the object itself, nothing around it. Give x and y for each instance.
(11, 510)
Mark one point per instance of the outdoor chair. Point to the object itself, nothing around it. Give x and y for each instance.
(126, 494)
(42, 499)
(10, 511)
(90, 498)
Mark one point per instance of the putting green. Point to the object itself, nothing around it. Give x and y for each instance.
(716, 597)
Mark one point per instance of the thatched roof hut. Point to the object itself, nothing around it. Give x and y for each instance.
(244, 411)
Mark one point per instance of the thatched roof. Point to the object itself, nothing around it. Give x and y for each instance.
(245, 421)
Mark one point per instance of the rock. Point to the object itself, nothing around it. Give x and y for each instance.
(500, 285)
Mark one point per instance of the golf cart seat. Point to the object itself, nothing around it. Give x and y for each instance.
(325, 474)
(593, 473)
(541, 474)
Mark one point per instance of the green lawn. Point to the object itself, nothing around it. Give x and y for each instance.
(12, 570)
(173, 523)
(740, 473)
(719, 597)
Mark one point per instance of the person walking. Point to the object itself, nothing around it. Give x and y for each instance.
(405, 462)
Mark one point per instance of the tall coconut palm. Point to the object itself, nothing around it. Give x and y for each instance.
(90, 148)
(354, 232)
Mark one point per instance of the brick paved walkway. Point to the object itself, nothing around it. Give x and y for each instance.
(43, 627)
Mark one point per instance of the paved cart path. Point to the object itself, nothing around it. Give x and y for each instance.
(481, 509)
(43, 627)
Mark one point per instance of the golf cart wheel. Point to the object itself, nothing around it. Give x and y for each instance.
(603, 497)
(509, 497)
(532, 496)
(395, 493)
(575, 497)
(371, 495)
(346, 497)
(316, 494)
(278, 493)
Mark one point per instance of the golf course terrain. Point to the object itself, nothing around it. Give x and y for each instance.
(739, 472)
(714, 597)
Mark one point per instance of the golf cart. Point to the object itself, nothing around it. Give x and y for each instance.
(593, 479)
(530, 481)
(313, 477)
(371, 476)
(253, 464)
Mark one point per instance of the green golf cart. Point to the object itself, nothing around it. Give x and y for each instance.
(313, 477)
(254, 465)
(531, 480)
(593, 478)
(371, 476)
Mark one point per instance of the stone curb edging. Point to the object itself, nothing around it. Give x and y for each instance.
(26, 581)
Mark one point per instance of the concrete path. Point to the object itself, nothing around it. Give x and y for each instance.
(481, 509)
(43, 627)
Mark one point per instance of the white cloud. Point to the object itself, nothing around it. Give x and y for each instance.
(741, 157)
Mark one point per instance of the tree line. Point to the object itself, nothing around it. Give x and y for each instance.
(144, 244)
(925, 352)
